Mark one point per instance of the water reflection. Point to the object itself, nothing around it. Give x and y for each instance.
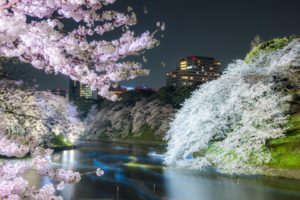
(68, 161)
(136, 172)
(183, 184)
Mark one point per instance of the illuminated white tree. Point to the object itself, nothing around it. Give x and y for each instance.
(227, 122)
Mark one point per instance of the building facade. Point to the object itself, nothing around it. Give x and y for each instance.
(78, 90)
(194, 70)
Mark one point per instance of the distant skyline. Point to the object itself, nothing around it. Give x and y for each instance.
(214, 28)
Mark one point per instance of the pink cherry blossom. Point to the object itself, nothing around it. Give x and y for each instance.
(33, 31)
(45, 44)
(99, 172)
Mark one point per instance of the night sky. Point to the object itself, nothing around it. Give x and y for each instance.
(217, 28)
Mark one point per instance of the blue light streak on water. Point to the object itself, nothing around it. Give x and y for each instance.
(105, 167)
(120, 179)
(116, 157)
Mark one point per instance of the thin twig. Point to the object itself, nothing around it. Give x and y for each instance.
(87, 173)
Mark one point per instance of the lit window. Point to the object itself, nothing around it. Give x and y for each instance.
(85, 91)
(183, 63)
(217, 63)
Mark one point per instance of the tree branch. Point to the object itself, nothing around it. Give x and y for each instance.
(23, 115)
(9, 5)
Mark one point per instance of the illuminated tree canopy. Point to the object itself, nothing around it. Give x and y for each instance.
(33, 31)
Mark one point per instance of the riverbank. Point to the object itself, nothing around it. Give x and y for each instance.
(60, 143)
(127, 141)
(282, 173)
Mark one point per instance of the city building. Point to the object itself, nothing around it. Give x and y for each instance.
(80, 91)
(194, 70)
(59, 92)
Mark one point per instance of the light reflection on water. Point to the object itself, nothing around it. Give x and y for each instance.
(68, 162)
(139, 174)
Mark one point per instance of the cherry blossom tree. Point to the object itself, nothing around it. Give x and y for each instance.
(35, 117)
(227, 122)
(28, 119)
(33, 31)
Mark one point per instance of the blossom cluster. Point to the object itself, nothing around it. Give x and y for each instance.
(13, 185)
(33, 117)
(28, 119)
(33, 31)
(10, 148)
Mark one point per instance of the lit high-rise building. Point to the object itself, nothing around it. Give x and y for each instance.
(80, 91)
(194, 70)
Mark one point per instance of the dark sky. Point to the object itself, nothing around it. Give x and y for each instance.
(217, 28)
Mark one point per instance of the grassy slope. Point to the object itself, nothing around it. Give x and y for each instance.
(146, 136)
(59, 141)
(286, 151)
(269, 46)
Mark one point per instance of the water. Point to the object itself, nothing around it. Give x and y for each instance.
(135, 172)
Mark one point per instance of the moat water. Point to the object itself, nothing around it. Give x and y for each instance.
(136, 172)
